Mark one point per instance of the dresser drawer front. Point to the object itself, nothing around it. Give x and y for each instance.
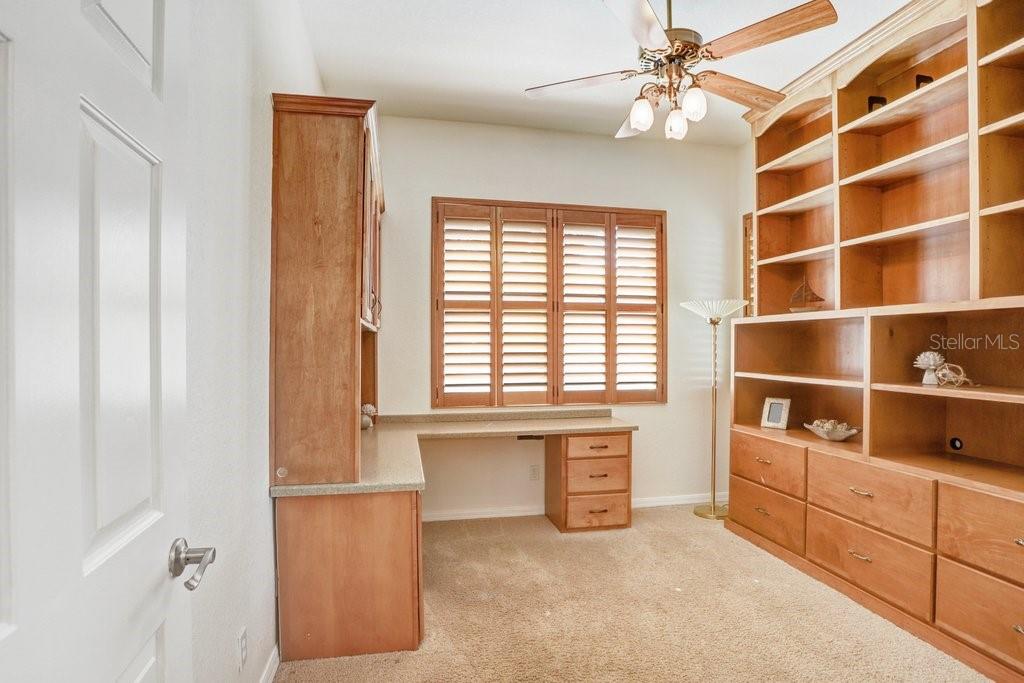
(901, 504)
(588, 512)
(778, 518)
(777, 465)
(891, 569)
(982, 610)
(982, 529)
(597, 445)
(602, 474)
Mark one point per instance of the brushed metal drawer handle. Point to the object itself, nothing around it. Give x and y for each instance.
(599, 476)
(763, 460)
(1019, 628)
(599, 512)
(861, 492)
(599, 447)
(862, 558)
(1019, 541)
(760, 509)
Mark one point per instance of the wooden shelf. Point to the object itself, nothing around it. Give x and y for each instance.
(802, 438)
(803, 256)
(823, 196)
(959, 469)
(938, 226)
(1012, 125)
(822, 380)
(1010, 207)
(923, 161)
(993, 394)
(812, 153)
(933, 97)
(1011, 55)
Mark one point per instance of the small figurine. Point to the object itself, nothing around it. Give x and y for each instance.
(929, 361)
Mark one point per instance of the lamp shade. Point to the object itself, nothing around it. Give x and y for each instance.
(695, 104)
(641, 116)
(714, 309)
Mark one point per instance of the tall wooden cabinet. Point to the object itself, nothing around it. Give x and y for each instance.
(890, 183)
(327, 202)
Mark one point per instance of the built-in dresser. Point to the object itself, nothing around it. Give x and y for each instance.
(890, 182)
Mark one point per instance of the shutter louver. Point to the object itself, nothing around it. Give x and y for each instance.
(636, 352)
(584, 353)
(467, 260)
(637, 317)
(636, 265)
(467, 352)
(524, 261)
(524, 355)
(584, 274)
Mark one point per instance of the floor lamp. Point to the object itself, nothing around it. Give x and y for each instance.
(713, 311)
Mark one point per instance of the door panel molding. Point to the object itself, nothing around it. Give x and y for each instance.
(134, 30)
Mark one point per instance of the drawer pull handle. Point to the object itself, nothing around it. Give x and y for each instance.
(861, 492)
(1019, 541)
(763, 460)
(599, 511)
(1019, 628)
(599, 476)
(599, 447)
(762, 511)
(862, 558)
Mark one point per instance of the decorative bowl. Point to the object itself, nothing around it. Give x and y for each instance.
(832, 430)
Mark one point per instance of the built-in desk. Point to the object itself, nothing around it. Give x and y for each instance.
(349, 562)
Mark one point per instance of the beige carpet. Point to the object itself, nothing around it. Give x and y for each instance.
(675, 598)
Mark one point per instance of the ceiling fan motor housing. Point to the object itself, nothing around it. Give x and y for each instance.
(686, 44)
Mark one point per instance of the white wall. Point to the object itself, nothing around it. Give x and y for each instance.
(697, 185)
(242, 50)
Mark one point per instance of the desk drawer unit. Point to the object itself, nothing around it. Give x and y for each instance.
(895, 571)
(896, 502)
(982, 610)
(983, 530)
(588, 481)
(777, 465)
(768, 513)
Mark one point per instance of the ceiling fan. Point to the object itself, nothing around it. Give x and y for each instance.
(670, 56)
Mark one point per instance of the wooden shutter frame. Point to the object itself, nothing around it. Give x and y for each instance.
(557, 214)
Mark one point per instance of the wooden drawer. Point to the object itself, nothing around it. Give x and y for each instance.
(982, 610)
(597, 445)
(602, 474)
(899, 503)
(982, 529)
(585, 512)
(771, 463)
(778, 518)
(891, 569)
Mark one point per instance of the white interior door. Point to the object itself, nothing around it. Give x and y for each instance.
(92, 231)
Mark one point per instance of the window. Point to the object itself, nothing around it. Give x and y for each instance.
(537, 304)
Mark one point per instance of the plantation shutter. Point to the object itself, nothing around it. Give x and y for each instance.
(524, 307)
(638, 308)
(583, 309)
(539, 305)
(464, 310)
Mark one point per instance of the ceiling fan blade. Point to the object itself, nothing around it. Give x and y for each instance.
(738, 90)
(643, 23)
(626, 130)
(807, 17)
(577, 83)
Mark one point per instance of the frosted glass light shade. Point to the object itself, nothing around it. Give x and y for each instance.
(695, 104)
(714, 309)
(641, 116)
(676, 125)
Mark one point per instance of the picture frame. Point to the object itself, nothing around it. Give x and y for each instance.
(776, 413)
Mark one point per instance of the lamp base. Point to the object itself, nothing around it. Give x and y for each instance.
(707, 512)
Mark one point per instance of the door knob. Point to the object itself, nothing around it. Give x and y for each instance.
(181, 556)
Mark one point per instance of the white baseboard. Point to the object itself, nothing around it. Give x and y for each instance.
(270, 670)
(532, 510)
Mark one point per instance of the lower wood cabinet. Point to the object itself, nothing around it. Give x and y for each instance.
(773, 515)
(588, 481)
(349, 574)
(982, 610)
(983, 530)
(777, 465)
(895, 571)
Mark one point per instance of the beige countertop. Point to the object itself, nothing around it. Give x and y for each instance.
(390, 457)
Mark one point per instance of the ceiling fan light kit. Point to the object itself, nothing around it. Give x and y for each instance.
(670, 57)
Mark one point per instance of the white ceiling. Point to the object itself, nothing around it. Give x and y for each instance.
(470, 60)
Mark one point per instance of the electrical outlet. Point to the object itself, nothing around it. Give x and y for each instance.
(534, 472)
(243, 648)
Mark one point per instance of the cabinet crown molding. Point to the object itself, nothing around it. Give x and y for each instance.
(316, 104)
